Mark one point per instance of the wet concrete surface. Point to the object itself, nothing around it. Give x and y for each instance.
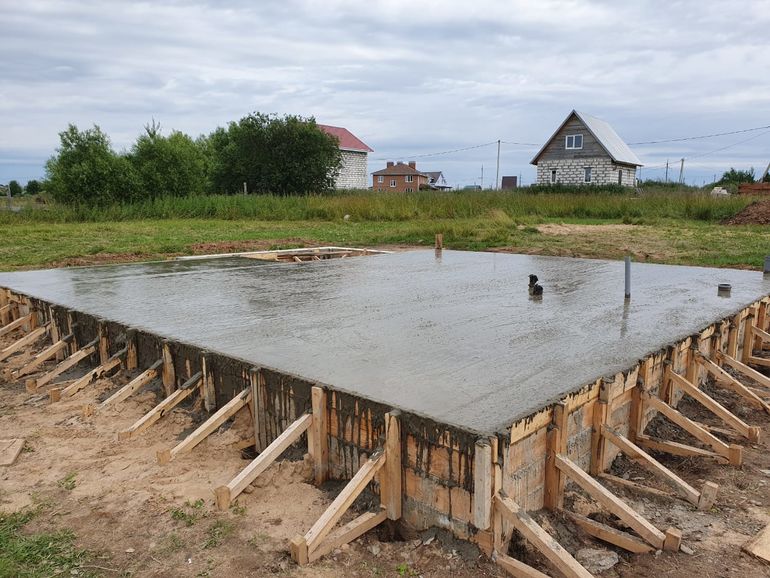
(456, 338)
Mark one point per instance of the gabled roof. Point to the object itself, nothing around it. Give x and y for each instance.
(399, 169)
(433, 175)
(604, 134)
(348, 141)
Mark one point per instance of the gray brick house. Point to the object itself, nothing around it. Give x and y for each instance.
(586, 150)
(353, 172)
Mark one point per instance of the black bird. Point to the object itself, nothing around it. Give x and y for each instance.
(534, 287)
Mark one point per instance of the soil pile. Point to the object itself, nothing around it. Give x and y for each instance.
(757, 213)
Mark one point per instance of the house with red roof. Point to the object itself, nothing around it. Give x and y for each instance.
(353, 171)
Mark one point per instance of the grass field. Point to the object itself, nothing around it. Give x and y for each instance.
(661, 227)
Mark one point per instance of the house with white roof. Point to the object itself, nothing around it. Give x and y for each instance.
(586, 150)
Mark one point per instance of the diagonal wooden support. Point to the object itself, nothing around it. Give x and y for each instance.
(113, 362)
(609, 534)
(516, 567)
(751, 433)
(703, 500)
(69, 362)
(539, 538)
(762, 335)
(743, 369)
(207, 427)
(311, 546)
(721, 377)
(227, 493)
(732, 453)
(13, 325)
(134, 385)
(761, 361)
(28, 339)
(42, 357)
(5, 314)
(162, 409)
(618, 507)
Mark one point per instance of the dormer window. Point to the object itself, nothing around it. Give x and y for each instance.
(573, 141)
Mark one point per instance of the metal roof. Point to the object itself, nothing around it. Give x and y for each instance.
(604, 134)
(348, 141)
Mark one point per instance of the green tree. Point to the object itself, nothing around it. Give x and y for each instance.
(174, 165)
(85, 169)
(16, 189)
(284, 155)
(33, 187)
(733, 177)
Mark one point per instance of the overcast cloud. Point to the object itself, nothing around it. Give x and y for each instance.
(408, 78)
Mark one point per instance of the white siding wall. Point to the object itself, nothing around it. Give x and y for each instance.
(572, 172)
(353, 172)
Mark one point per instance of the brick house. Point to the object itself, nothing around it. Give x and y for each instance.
(586, 150)
(354, 158)
(400, 178)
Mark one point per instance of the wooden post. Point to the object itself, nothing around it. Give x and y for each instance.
(132, 359)
(318, 436)
(482, 485)
(391, 475)
(439, 241)
(71, 328)
(5, 308)
(748, 337)
(556, 444)
(761, 322)
(169, 372)
(732, 336)
(598, 444)
(260, 414)
(209, 391)
(104, 343)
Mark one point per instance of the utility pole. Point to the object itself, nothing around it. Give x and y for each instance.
(8, 192)
(681, 173)
(497, 174)
(482, 177)
(666, 170)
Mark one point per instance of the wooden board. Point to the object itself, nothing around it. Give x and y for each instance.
(10, 450)
(759, 545)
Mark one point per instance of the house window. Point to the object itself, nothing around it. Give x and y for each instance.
(409, 190)
(574, 141)
(392, 182)
(380, 179)
(553, 176)
(586, 174)
(620, 176)
(409, 178)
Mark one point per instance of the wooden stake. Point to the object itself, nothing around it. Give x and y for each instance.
(391, 476)
(209, 391)
(71, 361)
(610, 501)
(134, 385)
(28, 339)
(540, 539)
(732, 337)
(132, 358)
(162, 408)
(104, 343)
(748, 337)
(258, 396)
(318, 436)
(439, 240)
(227, 493)
(598, 445)
(206, 428)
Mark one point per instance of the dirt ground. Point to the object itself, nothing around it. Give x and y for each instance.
(757, 213)
(149, 520)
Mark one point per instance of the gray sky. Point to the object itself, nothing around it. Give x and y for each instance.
(408, 78)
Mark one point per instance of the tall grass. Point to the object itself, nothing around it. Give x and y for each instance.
(367, 206)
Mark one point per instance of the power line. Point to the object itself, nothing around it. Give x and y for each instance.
(716, 150)
(444, 152)
(700, 137)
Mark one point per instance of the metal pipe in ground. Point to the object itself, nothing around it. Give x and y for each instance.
(628, 277)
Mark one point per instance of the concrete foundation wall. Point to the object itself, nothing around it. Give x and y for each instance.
(572, 172)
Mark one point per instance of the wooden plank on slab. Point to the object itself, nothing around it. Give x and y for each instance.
(744, 369)
(759, 545)
(134, 385)
(13, 325)
(539, 538)
(10, 450)
(609, 534)
(749, 432)
(19, 344)
(227, 493)
(610, 501)
(343, 501)
(206, 428)
(162, 409)
(113, 362)
(68, 363)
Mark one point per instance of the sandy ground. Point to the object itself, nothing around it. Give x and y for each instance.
(149, 520)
